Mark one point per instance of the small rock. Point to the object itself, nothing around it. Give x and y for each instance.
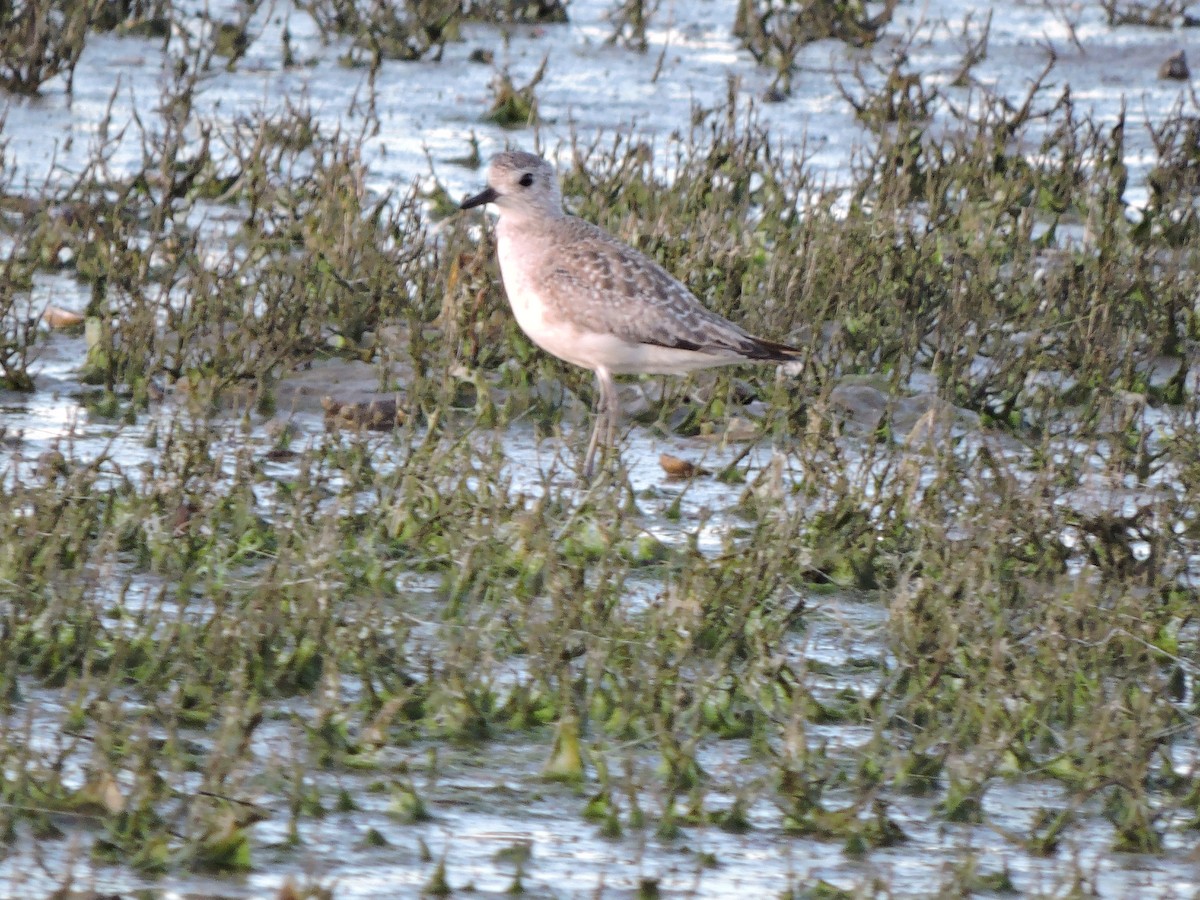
(860, 403)
(682, 419)
(181, 522)
(739, 429)
(382, 414)
(51, 464)
(927, 408)
(1175, 67)
(929, 431)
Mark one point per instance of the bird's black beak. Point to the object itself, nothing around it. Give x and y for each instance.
(479, 199)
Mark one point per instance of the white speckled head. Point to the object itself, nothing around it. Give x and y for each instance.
(522, 185)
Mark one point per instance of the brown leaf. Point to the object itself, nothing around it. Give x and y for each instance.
(57, 317)
(679, 468)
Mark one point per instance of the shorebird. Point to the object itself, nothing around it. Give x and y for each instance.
(589, 299)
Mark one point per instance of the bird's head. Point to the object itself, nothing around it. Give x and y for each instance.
(521, 184)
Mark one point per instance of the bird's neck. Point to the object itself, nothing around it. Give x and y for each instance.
(524, 219)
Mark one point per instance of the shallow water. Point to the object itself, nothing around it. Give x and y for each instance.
(597, 90)
(484, 802)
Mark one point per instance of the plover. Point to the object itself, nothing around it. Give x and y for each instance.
(585, 297)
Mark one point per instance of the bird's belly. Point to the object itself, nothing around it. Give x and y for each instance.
(597, 350)
(552, 333)
(547, 327)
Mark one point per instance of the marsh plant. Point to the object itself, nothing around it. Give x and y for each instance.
(629, 19)
(774, 31)
(1152, 13)
(993, 445)
(407, 31)
(515, 106)
(418, 29)
(40, 40)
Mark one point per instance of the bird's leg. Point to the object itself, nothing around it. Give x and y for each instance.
(601, 410)
(613, 408)
(607, 411)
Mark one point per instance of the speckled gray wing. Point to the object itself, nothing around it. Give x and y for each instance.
(609, 287)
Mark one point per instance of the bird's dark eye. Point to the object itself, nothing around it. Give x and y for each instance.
(526, 180)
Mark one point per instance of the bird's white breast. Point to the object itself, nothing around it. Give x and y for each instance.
(536, 310)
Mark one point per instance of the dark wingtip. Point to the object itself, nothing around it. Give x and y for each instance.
(749, 347)
(772, 351)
